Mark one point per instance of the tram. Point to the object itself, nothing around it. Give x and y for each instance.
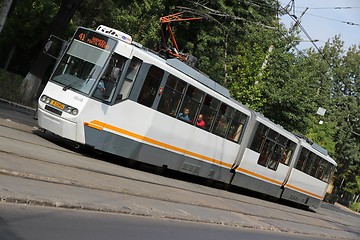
(110, 93)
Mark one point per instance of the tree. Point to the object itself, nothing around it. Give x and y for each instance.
(38, 70)
(22, 37)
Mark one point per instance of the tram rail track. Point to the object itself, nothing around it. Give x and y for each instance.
(100, 173)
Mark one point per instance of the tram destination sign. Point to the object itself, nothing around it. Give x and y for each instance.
(95, 39)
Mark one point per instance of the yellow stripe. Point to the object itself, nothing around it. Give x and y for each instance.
(94, 125)
(239, 169)
(304, 191)
(100, 126)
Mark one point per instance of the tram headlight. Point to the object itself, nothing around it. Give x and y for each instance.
(71, 110)
(45, 99)
(74, 111)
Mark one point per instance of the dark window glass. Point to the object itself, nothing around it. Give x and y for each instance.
(192, 101)
(151, 86)
(309, 162)
(302, 159)
(315, 166)
(266, 152)
(194, 94)
(171, 96)
(208, 110)
(259, 138)
(329, 170)
(109, 80)
(272, 134)
(321, 169)
(223, 120)
(236, 126)
(275, 158)
(288, 152)
(282, 140)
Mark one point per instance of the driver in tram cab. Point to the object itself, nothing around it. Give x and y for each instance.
(100, 89)
(200, 122)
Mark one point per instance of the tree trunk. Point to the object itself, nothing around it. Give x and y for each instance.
(33, 79)
(9, 57)
(4, 10)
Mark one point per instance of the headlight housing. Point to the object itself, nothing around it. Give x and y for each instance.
(58, 105)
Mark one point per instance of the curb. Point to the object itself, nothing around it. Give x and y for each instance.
(21, 107)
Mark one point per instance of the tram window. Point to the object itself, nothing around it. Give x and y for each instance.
(288, 151)
(275, 158)
(302, 159)
(192, 101)
(108, 82)
(172, 95)
(130, 76)
(315, 166)
(266, 152)
(209, 109)
(259, 137)
(272, 134)
(194, 93)
(309, 163)
(328, 172)
(151, 86)
(321, 169)
(236, 126)
(282, 140)
(223, 120)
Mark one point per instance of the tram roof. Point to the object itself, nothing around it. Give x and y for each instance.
(320, 151)
(200, 77)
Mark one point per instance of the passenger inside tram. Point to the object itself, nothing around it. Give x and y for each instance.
(200, 122)
(184, 115)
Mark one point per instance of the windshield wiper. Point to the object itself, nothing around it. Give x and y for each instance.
(90, 75)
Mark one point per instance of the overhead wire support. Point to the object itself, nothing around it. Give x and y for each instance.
(166, 32)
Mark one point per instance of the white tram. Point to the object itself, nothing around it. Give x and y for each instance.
(109, 93)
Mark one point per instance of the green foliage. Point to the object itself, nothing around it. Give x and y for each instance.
(246, 76)
(25, 31)
(323, 134)
(355, 207)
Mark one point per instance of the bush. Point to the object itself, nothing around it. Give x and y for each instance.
(355, 207)
(10, 86)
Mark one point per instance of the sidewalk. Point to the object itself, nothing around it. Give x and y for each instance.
(53, 176)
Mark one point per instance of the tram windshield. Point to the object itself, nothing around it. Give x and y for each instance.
(84, 61)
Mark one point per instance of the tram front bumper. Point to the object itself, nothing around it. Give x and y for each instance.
(57, 125)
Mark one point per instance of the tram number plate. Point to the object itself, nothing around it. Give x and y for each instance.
(57, 104)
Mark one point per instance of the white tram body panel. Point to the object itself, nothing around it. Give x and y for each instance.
(256, 177)
(304, 188)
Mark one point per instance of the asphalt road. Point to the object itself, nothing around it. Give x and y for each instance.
(23, 222)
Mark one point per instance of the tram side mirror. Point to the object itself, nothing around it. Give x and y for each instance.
(54, 46)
